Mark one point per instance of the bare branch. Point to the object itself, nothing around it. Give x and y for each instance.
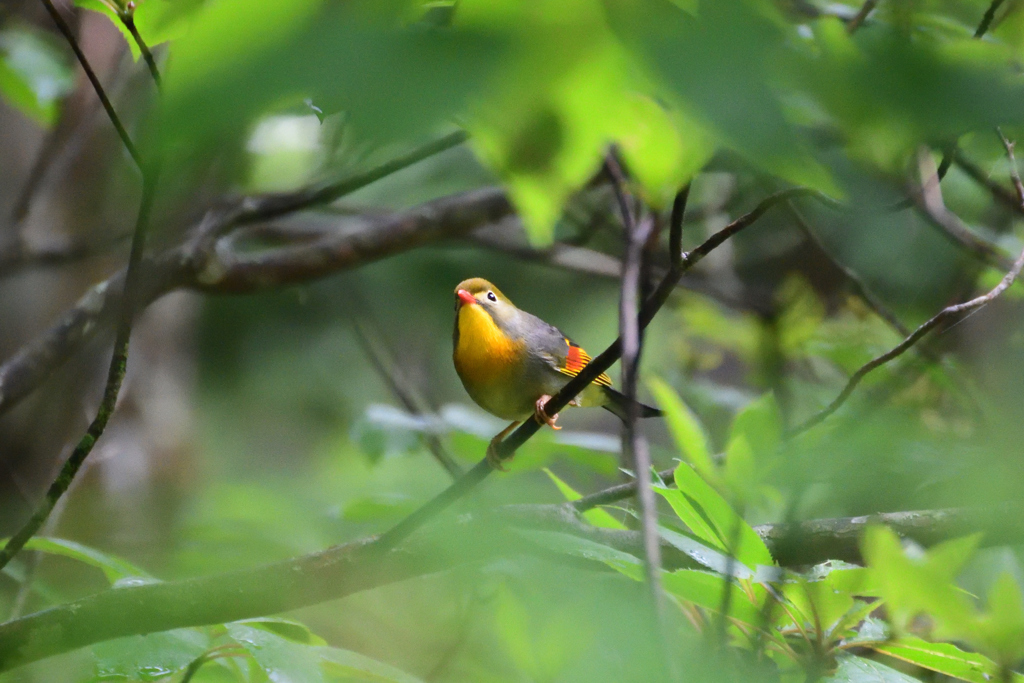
(1001, 194)
(634, 447)
(986, 20)
(929, 200)
(128, 19)
(946, 314)
(858, 19)
(382, 361)
(1014, 174)
(197, 263)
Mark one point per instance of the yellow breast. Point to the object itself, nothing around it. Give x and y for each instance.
(485, 357)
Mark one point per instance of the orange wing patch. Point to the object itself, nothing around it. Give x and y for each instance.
(576, 359)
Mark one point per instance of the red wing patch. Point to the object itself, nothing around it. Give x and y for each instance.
(576, 359)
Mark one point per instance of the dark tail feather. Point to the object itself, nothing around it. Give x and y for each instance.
(617, 403)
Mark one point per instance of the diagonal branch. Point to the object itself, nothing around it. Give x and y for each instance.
(383, 362)
(115, 377)
(947, 314)
(590, 372)
(929, 200)
(97, 86)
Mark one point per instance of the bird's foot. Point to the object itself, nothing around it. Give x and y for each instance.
(541, 416)
(493, 458)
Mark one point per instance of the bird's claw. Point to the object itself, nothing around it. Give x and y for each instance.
(494, 459)
(541, 416)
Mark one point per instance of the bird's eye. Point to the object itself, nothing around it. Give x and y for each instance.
(490, 295)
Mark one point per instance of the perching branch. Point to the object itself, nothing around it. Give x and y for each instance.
(354, 567)
(589, 373)
(858, 19)
(945, 315)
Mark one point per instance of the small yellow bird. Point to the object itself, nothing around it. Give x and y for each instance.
(512, 362)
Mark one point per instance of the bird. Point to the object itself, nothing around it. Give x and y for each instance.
(511, 362)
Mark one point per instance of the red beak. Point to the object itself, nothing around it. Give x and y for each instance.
(466, 297)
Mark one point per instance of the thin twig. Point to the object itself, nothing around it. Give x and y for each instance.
(859, 287)
(1014, 174)
(382, 361)
(634, 448)
(128, 19)
(599, 364)
(858, 19)
(1003, 195)
(929, 199)
(941, 317)
(115, 377)
(986, 20)
(96, 85)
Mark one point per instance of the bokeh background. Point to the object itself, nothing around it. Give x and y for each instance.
(257, 427)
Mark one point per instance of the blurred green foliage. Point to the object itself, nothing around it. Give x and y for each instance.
(299, 445)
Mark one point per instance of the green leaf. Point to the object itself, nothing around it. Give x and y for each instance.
(707, 590)
(687, 512)
(719, 67)
(114, 568)
(34, 74)
(394, 79)
(707, 503)
(914, 586)
(597, 516)
(860, 670)
(686, 429)
(581, 547)
(1003, 629)
(282, 660)
(352, 665)
(945, 658)
(709, 557)
(286, 628)
(149, 657)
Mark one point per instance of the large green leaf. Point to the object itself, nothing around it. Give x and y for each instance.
(719, 67)
(596, 516)
(353, 666)
(861, 670)
(732, 531)
(282, 660)
(708, 590)
(392, 78)
(911, 586)
(114, 568)
(686, 429)
(149, 657)
(945, 658)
